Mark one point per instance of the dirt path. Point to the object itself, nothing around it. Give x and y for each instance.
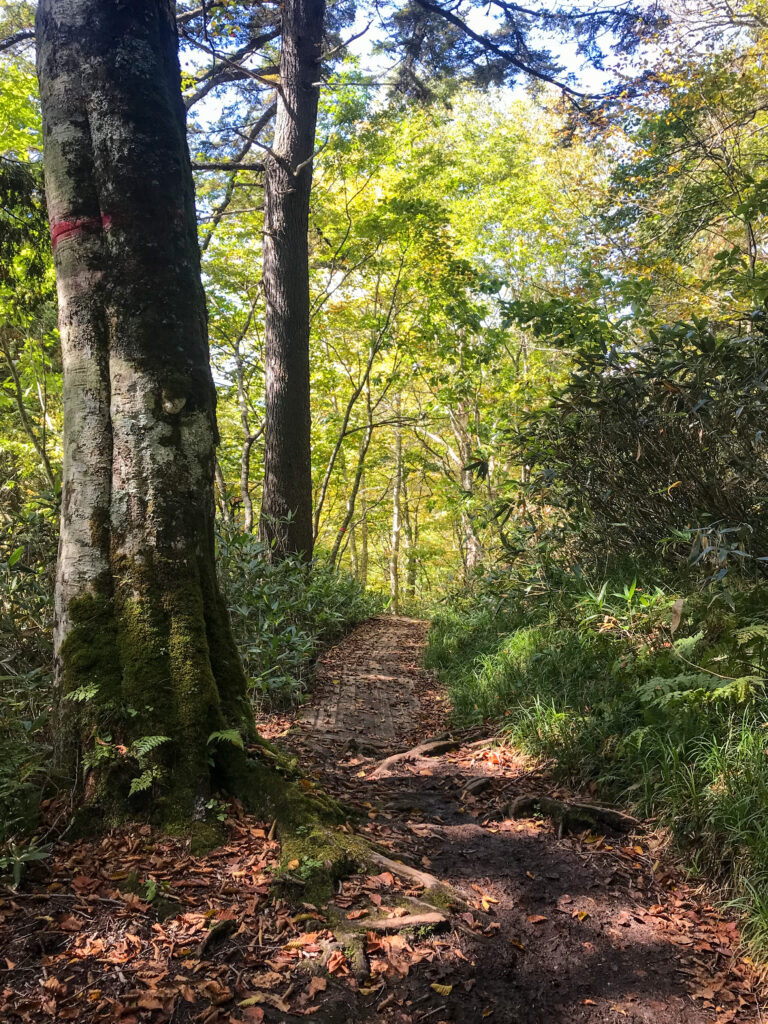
(579, 928)
(139, 927)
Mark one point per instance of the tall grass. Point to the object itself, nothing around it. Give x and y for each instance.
(675, 726)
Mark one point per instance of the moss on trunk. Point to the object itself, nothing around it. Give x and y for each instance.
(143, 639)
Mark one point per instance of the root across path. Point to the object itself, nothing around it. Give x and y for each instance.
(559, 925)
(472, 889)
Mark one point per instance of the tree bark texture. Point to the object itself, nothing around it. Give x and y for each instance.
(141, 627)
(286, 514)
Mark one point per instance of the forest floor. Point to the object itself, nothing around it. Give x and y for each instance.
(533, 927)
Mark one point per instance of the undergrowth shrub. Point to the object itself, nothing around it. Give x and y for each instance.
(663, 705)
(27, 556)
(283, 612)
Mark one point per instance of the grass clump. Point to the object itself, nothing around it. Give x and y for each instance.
(664, 706)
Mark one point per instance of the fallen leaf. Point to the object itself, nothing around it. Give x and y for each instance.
(70, 923)
(442, 990)
(266, 998)
(337, 963)
(317, 985)
(253, 1015)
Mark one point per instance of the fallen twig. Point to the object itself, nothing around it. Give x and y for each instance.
(395, 924)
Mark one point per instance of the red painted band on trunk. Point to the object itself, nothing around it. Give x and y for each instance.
(79, 225)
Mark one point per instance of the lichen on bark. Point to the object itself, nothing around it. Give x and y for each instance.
(142, 632)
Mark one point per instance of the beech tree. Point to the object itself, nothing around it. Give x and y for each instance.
(143, 644)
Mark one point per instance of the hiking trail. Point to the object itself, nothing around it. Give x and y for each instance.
(587, 927)
(524, 926)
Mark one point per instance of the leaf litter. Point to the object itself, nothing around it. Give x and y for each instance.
(134, 928)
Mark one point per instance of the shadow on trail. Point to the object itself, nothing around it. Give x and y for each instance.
(581, 929)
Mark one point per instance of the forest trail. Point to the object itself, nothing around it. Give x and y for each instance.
(139, 927)
(586, 927)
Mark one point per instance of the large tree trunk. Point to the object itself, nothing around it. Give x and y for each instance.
(286, 513)
(142, 633)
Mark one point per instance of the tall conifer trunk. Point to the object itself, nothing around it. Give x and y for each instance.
(142, 633)
(286, 515)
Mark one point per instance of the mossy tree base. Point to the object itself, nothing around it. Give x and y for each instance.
(153, 700)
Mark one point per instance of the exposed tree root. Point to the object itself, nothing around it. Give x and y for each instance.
(436, 892)
(571, 816)
(478, 785)
(432, 748)
(396, 867)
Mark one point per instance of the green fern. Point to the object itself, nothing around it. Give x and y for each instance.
(82, 693)
(143, 782)
(691, 689)
(145, 744)
(227, 736)
(748, 634)
(687, 645)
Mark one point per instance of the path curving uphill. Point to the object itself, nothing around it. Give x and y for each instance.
(586, 926)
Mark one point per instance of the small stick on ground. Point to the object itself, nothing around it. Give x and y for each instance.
(396, 924)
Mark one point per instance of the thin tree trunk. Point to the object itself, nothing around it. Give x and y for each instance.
(350, 510)
(38, 443)
(248, 440)
(411, 527)
(362, 566)
(141, 626)
(286, 513)
(342, 434)
(221, 487)
(397, 489)
(353, 558)
(472, 546)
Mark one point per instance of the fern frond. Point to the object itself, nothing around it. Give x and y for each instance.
(143, 782)
(227, 736)
(144, 744)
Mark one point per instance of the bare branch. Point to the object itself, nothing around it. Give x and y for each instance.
(500, 51)
(24, 36)
(226, 165)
